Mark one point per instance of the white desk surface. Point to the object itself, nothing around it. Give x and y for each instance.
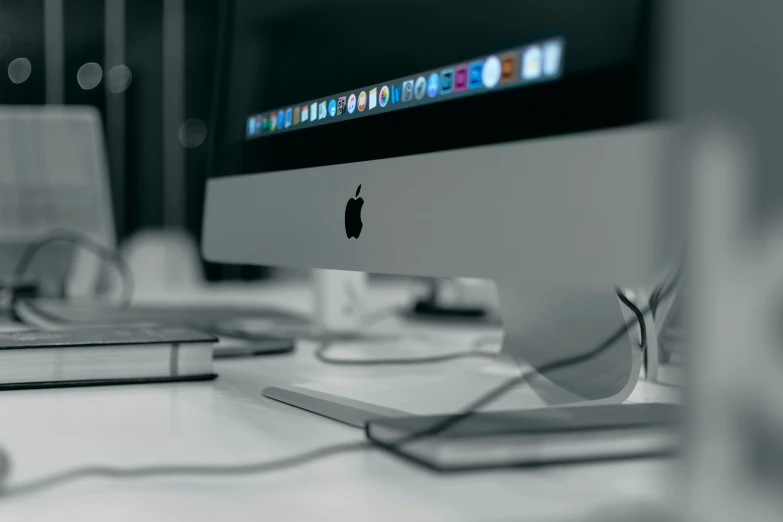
(228, 421)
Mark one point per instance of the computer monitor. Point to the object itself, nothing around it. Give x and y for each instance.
(517, 140)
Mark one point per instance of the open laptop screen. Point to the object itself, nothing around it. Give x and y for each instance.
(306, 84)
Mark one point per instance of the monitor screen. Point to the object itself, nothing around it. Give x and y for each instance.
(311, 83)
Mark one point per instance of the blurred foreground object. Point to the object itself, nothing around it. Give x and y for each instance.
(54, 175)
(730, 93)
(459, 299)
(163, 260)
(340, 300)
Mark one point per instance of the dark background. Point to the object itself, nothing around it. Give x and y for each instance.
(136, 134)
(280, 52)
(294, 50)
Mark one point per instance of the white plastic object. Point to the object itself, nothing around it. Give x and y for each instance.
(162, 261)
(340, 299)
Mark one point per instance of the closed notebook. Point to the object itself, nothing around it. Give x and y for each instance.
(57, 314)
(104, 355)
(533, 437)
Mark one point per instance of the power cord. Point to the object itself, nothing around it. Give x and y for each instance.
(205, 470)
(639, 317)
(664, 289)
(305, 458)
(80, 240)
(500, 391)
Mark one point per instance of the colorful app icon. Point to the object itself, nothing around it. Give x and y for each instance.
(407, 90)
(332, 108)
(446, 81)
(341, 105)
(272, 121)
(351, 103)
(313, 111)
(258, 124)
(460, 78)
(280, 119)
(395, 94)
(251, 125)
(508, 66)
(305, 113)
(264, 123)
(552, 58)
(322, 110)
(490, 74)
(289, 117)
(433, 85)
(474, 75)
(362, 103)
(383, 97)
(531, 63)
(373, 98)
(297, 114)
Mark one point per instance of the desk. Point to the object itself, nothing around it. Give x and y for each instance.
(228, 421)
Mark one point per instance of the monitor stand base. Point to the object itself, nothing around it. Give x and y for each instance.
(342, 409)
(539, 328)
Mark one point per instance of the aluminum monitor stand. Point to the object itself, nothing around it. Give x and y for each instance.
(548, 326)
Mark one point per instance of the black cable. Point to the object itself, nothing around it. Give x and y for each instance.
(639, 317)
(504, 388)
(200, 470)
(655, 299)
(507, 386)
(512, 383)
(664, 288)
(286, 463)
(80, 240)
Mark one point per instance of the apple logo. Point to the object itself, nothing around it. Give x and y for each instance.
(353, 215)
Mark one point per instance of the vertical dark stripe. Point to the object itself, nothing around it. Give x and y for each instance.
(22, 36)
(144, 155)
(83, 30)
(54, 55)
(172, 111)
(114, 51)
(201, 44)
(174, 360)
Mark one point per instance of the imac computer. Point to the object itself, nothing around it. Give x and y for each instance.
(515, 140)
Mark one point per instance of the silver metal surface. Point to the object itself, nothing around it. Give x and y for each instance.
(557, 223)
(571, 211)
